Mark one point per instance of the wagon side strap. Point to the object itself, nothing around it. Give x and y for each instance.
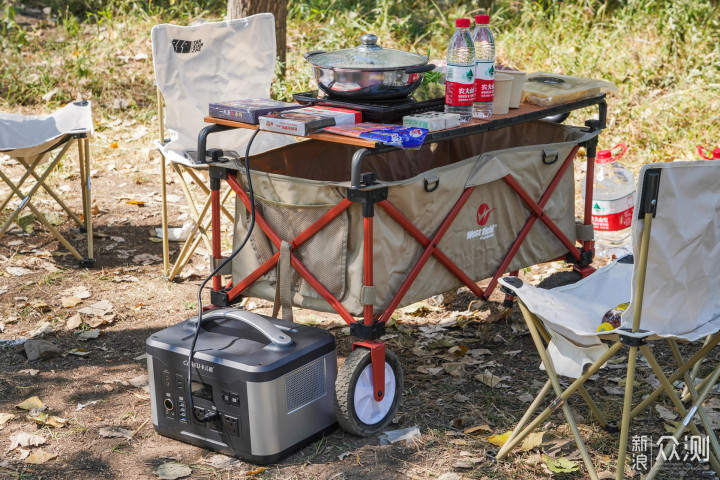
(283, 292)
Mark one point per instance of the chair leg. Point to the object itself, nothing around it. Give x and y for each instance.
(164, 217)
(26, 198)
(687, 421)
(670, 391)
(529, 413)
(40, 217)
(627, 406)
(84, 150)
(695, 370)
(24, 177)
(583, 392)
(676, 376)
(51, 192)
(550, 370)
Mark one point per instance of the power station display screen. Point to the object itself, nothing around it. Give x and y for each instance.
(202, 390)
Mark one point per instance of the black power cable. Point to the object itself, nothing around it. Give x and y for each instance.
(214, 414)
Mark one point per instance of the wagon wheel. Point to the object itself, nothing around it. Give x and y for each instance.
(355, 406)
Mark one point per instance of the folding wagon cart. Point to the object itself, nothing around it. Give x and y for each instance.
(349, 226)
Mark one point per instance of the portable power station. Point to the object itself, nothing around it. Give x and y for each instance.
(269, 383)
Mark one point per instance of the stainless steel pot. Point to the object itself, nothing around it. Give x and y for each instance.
(368, 72)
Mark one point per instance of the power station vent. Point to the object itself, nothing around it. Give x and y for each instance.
(305, 385)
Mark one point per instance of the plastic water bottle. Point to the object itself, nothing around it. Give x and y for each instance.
(460, 76)
(484, 67)
(613, 201)
(715, 153)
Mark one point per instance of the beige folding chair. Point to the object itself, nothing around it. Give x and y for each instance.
(31, 139)
(196, 66)
(674, 294)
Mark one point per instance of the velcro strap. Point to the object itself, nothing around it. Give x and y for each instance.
(584, 233)
(367, 295)
(215, 263)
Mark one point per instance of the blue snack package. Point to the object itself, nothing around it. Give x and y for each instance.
(395, 135)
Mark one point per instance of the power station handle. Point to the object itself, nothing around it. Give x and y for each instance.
(271, 332)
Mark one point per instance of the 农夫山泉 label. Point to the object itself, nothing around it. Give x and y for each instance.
(460, 84)
(613, 215)
(484, 81)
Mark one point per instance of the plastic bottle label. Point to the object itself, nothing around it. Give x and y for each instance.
(613, 215)
(484, 80)
(460, 85)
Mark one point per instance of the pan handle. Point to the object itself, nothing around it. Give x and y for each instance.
(307, 55)
(428, 67)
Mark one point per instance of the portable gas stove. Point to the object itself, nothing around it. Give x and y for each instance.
(427, 98)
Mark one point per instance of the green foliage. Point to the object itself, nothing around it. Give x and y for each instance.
(663, 56)
(12, 35)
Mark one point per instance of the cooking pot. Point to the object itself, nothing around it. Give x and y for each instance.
(368, 72)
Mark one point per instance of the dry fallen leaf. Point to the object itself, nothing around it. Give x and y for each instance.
(116, 432)
(114, 145)
(478, 428)
(100, 308)
(73, 322)
(533, 440)
(24, 439)
(173, 471)
(79, 352)
(30, 403)
(488, 379)
(38, 457)
(5, 417)
(88, 335)
(256, 471)
(135, 202)
(48, 420)
(69, 302)
(499, 440)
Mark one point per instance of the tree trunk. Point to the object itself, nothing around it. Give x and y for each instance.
(244, 8)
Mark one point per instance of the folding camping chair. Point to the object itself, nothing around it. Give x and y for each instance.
(30, 139)
(195, 66)
(674, 294)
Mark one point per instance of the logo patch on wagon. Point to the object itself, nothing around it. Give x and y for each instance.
(483, 216)
(187, 46)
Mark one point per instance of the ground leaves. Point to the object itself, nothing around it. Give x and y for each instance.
(30, 403)
(560, 465)
(24, 439)
(39, 456)
(172, 471)
(500, 440)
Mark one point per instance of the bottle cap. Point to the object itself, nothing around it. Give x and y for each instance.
(462, 23)
(604, 156)
(482, 19)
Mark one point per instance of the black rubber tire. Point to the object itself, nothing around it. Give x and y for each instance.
(345, 392)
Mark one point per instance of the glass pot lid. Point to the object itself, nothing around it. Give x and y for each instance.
(369, 55)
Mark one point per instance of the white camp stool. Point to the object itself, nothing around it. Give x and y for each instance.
(30, 139)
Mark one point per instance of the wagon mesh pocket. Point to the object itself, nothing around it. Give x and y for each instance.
(324, 254)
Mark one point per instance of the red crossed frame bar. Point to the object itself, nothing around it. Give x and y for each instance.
(430, 244)
(377, 349)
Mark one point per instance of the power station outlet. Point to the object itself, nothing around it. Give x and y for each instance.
(231, 424)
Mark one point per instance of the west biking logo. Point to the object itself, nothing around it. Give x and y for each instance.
(200, 366)
(187, 46)
(488, 231)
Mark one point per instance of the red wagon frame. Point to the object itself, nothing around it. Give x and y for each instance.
(362, 191)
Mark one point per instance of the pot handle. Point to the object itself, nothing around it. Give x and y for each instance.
(307, 55)
(421, 69)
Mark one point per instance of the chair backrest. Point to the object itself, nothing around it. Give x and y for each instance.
(682, 287)
(212, 62)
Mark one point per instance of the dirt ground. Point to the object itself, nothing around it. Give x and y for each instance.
(447, 347)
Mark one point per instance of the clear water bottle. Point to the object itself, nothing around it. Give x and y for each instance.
(460, 76)
(612, 203)
(484, 67)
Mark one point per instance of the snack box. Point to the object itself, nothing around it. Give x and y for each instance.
(395, 135)
(433, 121)
(248, 110)
(307, 120)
